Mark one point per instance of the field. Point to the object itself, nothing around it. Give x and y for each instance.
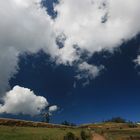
(126, 134)
(26, 130)
(30, 133)
(11, 129)
(117, 131)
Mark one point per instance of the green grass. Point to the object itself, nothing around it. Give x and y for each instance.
(30, 133)
(123, 134)
(117, 131)
(34, 133)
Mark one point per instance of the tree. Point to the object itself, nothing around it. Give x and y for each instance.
(48, 112)
(46, 117)
(69, 136)
(83, 135)
(68, 123)
(116, 120)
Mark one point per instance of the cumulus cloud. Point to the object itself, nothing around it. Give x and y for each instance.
(88, 72)
(137, 61)
(96, 24)
(25, 26)
(22, 100)
(91, 25)
(53, 108)
(8, 67)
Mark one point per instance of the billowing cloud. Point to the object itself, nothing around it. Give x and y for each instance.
(94, 25)
(8, 67)
(137, 61)
(53, 108)
(22, 101)
(88, 72)
(91, 25)
(25, 26)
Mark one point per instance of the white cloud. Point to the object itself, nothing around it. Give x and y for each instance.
(88, 72)
(8, 67)
(53, 108)
(26, 26)
(82, 23)
(137, 61)
(22, 101)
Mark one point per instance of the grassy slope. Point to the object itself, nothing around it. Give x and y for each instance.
(116, 131)
(111, 131)
(30, 133)
(124, 134)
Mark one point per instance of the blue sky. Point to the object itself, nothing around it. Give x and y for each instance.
(114, 93)
(97, 95)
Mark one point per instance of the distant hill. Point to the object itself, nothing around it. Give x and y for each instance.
(23, 123)
(110, 125)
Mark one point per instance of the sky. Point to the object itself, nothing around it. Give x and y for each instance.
(79, 60)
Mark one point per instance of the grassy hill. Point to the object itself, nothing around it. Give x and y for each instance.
(116, 131)
(109, 125)
(30, 133)
(123, 134)
(27, 130)
(11, 129)
(14, 122)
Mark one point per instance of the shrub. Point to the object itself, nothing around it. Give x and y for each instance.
(116, 120)
(84, 135)
(132, 125)
(69, 136)
(68, 123)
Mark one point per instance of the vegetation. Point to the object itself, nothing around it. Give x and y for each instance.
(116, 120)
(68, 123)
(84, 135)
(69, 136)
(31, 133)
(113, 129)
(132, 125)
(123, 134)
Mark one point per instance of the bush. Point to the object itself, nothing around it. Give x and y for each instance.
(132, 125)
(68, 123)
(69, 136)
(84, 135)
(117, 120)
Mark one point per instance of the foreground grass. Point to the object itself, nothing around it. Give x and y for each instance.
(30, 133)
(39, 133)
(124, 134)
(117, 131)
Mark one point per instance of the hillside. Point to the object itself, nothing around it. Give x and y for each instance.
(115, 131)
(109, 125)
(23, 123)
(11, 129)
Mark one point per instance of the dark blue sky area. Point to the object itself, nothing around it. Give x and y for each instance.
(114, 93)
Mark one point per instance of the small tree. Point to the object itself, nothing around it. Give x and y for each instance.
(65, 123)
(69, 136)
(48, 112)
(117, 120)
(83, 135)
(68, 123)
(46, 117)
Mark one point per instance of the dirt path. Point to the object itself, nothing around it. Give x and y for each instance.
(98, 137)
